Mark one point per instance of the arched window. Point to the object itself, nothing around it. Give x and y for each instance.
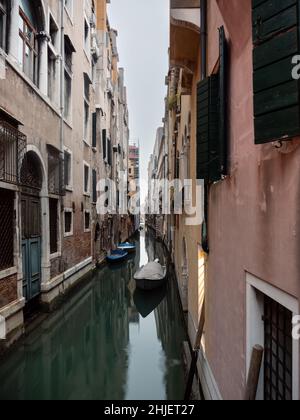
(4, 18)
(29, 26)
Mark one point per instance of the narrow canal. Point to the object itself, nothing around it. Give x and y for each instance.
(108, 341)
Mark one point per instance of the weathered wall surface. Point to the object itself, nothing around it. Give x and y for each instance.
(8, 290)
(253, 214)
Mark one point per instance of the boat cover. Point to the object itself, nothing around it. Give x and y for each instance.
(151, 271)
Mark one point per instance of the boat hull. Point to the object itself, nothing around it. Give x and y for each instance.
(145, 284)
(117, 257)
(127, 248)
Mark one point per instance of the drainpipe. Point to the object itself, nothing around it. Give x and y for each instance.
(62, 106)
(203, 41)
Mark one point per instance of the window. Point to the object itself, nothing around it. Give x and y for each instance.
(68, 169)
(87, 221)
(276, 100)
(3, 23)
(28, 49)
(94, 186)
(55, 171)
(54, 31)
(104, 144)
(52, 76)
(69, 50)
(86, 105)
(87, 38)
(94, 134)
(53, 217)
(68, 222)
(86, 122)
(67, 95)
(278, 360)
(7, 229)
(270, 312)
(86, 179)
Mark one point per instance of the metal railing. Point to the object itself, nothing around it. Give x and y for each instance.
(12, 151)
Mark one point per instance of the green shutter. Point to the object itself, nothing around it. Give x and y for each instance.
(276, 39)
(208, 156)
(212, 121)
(223, 101)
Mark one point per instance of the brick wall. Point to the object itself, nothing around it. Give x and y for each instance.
(77, 248)
(8, 290)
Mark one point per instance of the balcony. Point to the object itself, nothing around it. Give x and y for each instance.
(185, 34)
(12, 151)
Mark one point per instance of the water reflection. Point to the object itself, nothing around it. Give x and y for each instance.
(146, 301)
(98, 347)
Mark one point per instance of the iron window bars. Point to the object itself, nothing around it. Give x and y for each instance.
(12, 153)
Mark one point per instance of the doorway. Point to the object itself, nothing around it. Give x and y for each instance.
(31, 176)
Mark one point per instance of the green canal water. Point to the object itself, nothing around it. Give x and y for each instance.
(108, 341)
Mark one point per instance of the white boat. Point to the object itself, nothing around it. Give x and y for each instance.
(151, 276)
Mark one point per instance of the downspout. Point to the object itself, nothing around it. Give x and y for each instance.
(203, 41)
(62, 61)
(62, 109)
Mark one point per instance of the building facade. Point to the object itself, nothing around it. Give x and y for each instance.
(64, 127)
(233, 121)
(134, 185)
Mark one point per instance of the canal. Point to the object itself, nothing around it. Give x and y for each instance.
(108, 341)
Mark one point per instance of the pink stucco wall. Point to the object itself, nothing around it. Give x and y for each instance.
(253, 214)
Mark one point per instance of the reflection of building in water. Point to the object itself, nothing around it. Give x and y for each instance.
(168, 318)
(80, 352)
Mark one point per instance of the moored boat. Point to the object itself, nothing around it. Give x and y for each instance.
(127, 247)
(117, 256)
(151, 276)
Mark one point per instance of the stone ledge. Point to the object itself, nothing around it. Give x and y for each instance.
(58, 280)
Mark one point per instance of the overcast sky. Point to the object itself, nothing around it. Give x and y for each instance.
(143, 42)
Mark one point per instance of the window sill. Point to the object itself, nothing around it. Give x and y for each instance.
(8, 272)
(87, 194)
(15, 66)
(87, 230)
(86, 143)
(69, 189)
(55, 255)
(68, 13)
(68, 235)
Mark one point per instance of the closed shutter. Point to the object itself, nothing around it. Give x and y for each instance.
(208, 159)
(94, 134)
(276, 39)
(212, 121)
(223, 101)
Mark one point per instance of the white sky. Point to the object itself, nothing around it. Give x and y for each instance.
(143, 42)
